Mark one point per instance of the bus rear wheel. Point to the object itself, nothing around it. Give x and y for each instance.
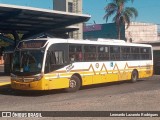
(74, 84)
(134, 76)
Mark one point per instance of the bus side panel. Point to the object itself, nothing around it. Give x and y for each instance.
(87, 80)
(110, 77)
(146, 69)
(52, 81)
(97, 79)
(145, 73)
(59, 83)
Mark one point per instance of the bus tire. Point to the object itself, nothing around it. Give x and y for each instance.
(134, 76)
(74, 84)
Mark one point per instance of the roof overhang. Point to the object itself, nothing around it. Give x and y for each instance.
(30, 21)
(66, 29)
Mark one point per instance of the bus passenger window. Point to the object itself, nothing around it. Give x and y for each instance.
(90, 53)
(103, 53)
(115, 53)
(80, 56)
(75, 53)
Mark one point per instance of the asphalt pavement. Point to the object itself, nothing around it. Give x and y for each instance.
(119, 96)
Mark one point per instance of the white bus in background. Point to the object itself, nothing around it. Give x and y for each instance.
(52, 63)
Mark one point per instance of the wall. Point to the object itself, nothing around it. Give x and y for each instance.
(137, 32)
(59, 5)
(102, 31)
(62, 5)
(140, 32)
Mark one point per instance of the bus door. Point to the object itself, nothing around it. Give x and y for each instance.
(56, 59)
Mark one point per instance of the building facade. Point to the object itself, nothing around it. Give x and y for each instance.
(141, 32)
(137, 32)
(102, 31)
(73, 6)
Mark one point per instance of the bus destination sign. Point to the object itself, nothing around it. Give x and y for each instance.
(31, 44)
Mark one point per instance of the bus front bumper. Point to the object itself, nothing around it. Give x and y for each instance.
(35, 85)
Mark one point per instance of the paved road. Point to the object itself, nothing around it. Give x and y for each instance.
(124, 96)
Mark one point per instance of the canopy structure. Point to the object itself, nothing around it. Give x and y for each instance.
(32, 21)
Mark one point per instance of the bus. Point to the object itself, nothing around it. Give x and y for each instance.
(53, 63)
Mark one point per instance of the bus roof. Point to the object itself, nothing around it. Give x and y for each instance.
(94, 42)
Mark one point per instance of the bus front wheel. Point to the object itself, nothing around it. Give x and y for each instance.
(134, 76)
(74, 84)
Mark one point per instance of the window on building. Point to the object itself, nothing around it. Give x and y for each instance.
(70, 7)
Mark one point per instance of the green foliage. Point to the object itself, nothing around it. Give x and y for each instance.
(4, 44)
(10, 36)
(121, 15)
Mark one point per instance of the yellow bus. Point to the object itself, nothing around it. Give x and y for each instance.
(52, 63)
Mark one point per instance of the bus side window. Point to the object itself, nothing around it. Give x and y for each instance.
(145, 53)
(59, 57)
(52, 58)
(75, 53)
(135, 53)
(125, 53)
(103, 53)
(115, 53)
(90, 53)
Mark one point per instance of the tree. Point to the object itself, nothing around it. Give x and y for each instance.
(122, 15)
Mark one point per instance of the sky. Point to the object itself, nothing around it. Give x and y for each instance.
(148, 10)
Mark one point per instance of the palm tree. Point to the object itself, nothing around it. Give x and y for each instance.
(122, 14)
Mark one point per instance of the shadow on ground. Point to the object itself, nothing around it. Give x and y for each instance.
(7, 90)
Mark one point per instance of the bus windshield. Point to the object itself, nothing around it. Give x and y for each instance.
(27, 62)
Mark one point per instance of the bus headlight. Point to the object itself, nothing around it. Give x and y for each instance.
(13, 77)
(38, 77)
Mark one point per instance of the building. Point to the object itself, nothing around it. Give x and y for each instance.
(74, 6)
(102, 31)
(141, 32)
(137, 32)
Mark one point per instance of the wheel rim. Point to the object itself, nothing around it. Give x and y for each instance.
(72, 84)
